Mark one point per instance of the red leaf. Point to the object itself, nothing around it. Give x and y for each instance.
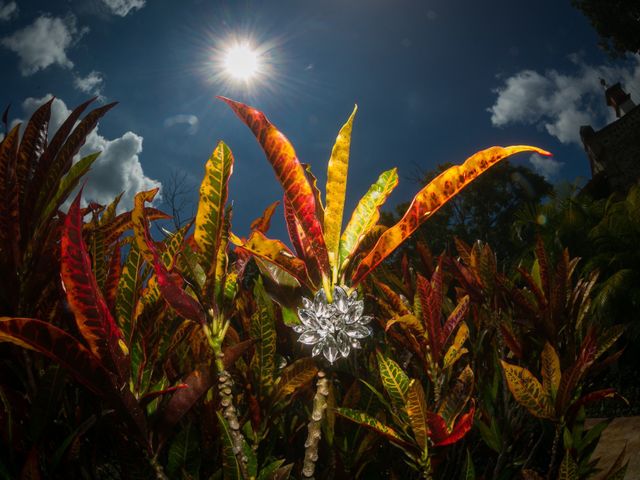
(461, 428)
(291, 175)
(263, 222)
(171, 286)
(93, 318)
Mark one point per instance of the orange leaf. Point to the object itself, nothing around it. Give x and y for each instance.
(290, 174)
(438, 192)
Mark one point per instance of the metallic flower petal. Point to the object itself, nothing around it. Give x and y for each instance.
(340, 299)
(307, 317)
(334, 329)
(355, 312)
(357, 331)
(344, 344)
(310, 337)
(330, 350)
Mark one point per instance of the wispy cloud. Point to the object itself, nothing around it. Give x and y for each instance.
(123, 7)
(117, 169)
(8, 11)
(43, 43)
(548, 167)
(183, 119)
(92, 84)
(561, 103)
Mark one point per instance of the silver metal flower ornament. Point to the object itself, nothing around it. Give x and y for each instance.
(333, 328)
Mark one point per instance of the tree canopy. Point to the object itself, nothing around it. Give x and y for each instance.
(616, 21)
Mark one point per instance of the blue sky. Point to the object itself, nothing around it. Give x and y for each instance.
(435, 81)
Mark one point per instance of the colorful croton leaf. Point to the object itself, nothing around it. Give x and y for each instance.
(559, 396)
(327, 254)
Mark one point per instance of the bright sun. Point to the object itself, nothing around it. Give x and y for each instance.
(242, 62)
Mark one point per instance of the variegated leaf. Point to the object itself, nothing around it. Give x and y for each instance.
(295, 376)
(291, 175)
(367, 421)
(394, 380)
(366, 215)
(456, 350)
(210, 218)
(439, 191)
(336, 192)
(551, 374)
(416, 408)
(528, 391)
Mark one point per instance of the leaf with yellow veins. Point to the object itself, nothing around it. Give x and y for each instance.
(273, 251)
(210, 219)
(291, 175)
(428, 200)
(456, 350)
(336, 192)
(416, 408)
(527, 391)
(366, 215)
(139, 221)
(551, 374)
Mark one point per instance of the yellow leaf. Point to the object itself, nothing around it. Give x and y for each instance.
(139, 221)
(336, 192)
(456, 349)
(416, 407)
(551, 374)
(527, 391)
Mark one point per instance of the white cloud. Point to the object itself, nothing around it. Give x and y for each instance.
(123, 7)
(562, 103)
(180, 119)
(91, 84)
(548, 167)
(8, 11)
(117, 169)
(44, 43)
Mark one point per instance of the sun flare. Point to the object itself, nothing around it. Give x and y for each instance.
(242, 62)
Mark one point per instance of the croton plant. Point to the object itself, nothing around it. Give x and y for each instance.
(329, 262)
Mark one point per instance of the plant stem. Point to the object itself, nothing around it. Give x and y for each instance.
(314, 431)
(215, 336)
(554, 451)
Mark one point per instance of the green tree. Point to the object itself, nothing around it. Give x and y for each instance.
(616, 21)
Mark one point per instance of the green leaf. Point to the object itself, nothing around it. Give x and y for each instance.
(366, 420)
(568, 468)
(469, 472)
(230, 463)
(69, 182)
(263, 330)
(366, 215)
(129, 288)
(394, 380)
(184, 453)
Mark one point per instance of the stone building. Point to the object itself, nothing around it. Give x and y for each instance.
(614, 151)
